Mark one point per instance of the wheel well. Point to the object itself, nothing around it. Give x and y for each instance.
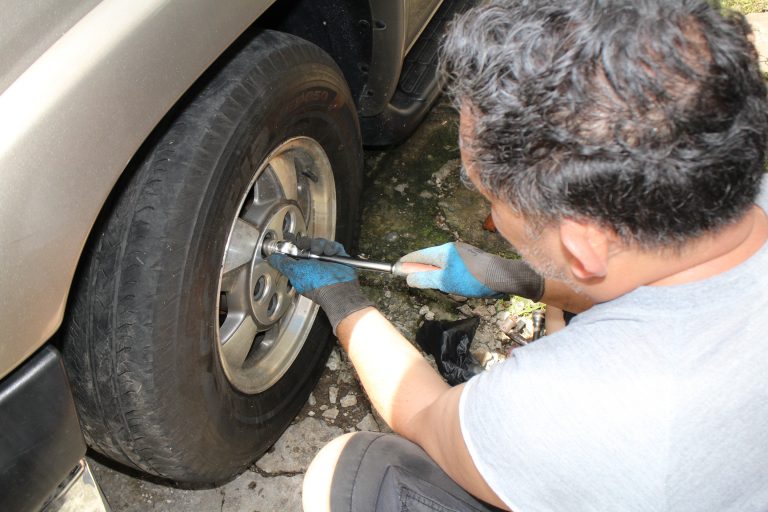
(340, 27)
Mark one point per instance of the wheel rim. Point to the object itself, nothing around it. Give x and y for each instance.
(263, 323)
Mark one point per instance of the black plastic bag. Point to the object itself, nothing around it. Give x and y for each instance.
(449, 343)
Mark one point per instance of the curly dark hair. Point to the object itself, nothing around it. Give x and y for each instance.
(646, 116)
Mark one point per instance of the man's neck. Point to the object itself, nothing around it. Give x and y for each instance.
(714, 254)
(701, 259)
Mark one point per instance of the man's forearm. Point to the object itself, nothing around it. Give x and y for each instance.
(398, 380)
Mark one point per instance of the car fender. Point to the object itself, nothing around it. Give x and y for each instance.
(69, 125)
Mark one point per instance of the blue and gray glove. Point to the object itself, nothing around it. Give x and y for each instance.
(470, 272)
(331, 286)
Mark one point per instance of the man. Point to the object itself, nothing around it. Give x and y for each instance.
(621, 146)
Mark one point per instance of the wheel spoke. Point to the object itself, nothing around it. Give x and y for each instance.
(235, 285)
(242, 243)
(284, 168)
(238, 345)
(266, 196)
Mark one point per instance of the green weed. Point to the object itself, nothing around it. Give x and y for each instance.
(746, 6)
(519, 306)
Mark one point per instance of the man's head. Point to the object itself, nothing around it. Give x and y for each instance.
(647, 118)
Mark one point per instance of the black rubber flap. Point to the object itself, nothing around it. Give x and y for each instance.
(40, 438)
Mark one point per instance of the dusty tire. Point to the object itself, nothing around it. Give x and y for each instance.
(142, 340)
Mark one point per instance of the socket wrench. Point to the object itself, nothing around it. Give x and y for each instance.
(398, 268)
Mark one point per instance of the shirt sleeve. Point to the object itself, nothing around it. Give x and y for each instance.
(556, 428)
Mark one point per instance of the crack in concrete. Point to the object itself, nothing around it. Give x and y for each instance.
(267, 474)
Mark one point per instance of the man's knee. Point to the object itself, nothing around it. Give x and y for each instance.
(316, 491)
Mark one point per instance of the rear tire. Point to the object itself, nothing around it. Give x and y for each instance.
(142, 340)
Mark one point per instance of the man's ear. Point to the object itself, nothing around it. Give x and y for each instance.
(588, 245)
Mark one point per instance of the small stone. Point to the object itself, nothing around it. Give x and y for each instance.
(401, 187)
(391, 237)
(484, 311)
(331, 413)
(482, 356)
(447, 168)
(311, 413)
(348, 401)
(323, 407)
(502, 315)
(387, 294)
(368, 424)
(466, 310)
(333, 361)
(492, 360)
(333, 392)
(345, 377)
(424, 310)
(426, 194)
(312, 401)
(457, 298)
(429, 316)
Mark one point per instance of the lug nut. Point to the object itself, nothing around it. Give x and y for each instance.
(270, 247)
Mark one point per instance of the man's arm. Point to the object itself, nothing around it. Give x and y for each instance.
(411, 396)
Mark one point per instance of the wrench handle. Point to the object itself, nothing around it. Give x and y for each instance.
(355, 263)
(401, 269)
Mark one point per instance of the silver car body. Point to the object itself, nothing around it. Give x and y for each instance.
(82, 84)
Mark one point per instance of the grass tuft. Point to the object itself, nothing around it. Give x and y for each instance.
(746, 6)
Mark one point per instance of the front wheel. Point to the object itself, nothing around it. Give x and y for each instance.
(188, 353)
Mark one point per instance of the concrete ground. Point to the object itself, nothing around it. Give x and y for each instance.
(759, 23)
(413, 199)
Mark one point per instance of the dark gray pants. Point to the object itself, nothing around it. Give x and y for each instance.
(386, 473)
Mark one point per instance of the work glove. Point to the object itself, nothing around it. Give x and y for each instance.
(470, 272)
(331, 286)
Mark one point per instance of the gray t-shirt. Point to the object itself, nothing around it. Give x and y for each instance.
(655, 401)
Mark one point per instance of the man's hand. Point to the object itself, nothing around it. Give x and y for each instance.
(332, 286)
(468, 271)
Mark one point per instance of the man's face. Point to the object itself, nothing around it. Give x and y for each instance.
(537, 246)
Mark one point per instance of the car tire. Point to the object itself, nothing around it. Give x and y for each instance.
(269, 144)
